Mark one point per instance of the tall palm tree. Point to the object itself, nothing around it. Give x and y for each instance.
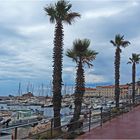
(81, 54)
(135, 59)
(59, 13)
(118, 42)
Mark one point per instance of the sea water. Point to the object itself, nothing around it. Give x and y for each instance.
(48, 111)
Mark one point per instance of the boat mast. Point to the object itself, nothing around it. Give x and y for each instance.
(42, 89)
(28, 87)
(50, 88)
(19, 89)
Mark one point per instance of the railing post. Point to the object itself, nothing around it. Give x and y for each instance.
(130, 105)
(101, 115)
(16, 133)
(110, 113)
(89, 119)
(51, 127)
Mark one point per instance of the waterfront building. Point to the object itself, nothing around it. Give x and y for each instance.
(124, 89)
(105, 91)
(90, 92)
(137, 89)
(109, 91)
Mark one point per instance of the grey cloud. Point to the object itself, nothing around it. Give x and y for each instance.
(26, 39)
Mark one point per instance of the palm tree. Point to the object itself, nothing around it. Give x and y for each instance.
(81, 54)
(59, 13)
(134, 60)
(118, 42)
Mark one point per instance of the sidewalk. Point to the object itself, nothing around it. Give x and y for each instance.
(126, 126)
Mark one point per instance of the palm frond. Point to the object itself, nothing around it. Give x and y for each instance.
(135, 58)
(111, 41)
(125, 43)
(131, 59)
(50, 11)
(70, 17)
(68, 7)
(86, 43)
(61, 11)
(137, 62)
(119, 41)
(121, 37)
(80, 46)
(129, 62)
(71, 54)
(89, 64)
(61, 6)
(81, 52)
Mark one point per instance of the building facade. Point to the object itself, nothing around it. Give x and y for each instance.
(109, 91)
(90, 92)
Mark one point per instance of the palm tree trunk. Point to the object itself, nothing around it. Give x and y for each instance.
(57, 72)
(133, 81)
(79, 92)
(117, 76)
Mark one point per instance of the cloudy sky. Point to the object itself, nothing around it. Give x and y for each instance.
(26, 41)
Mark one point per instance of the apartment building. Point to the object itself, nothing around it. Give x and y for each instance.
(109, 91)
(124, 89)
(137, 89)
(90, 92)
(106, 91)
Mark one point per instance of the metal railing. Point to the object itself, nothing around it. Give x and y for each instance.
(90, 119)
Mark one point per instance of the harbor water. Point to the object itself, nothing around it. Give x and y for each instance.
(48, 111)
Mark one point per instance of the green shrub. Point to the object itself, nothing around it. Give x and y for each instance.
(115, 110)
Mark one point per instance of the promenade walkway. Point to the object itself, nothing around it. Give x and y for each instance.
(126, 126)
